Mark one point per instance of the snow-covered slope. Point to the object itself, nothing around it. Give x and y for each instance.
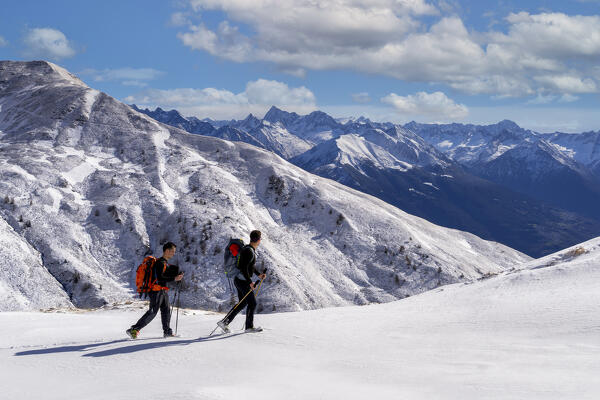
(526, 334)
(97, 185)
(584, 147)
(25, 284)
(351, 150)
(472, 144)
(275, 137)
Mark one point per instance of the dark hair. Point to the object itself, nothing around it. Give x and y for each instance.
(255, 236)
(169, 245)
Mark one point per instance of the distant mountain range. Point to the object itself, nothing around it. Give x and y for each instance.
(538, 193)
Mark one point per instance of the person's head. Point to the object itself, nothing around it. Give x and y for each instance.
(255, 237)
(169, 250)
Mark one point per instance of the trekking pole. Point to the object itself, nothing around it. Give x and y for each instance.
(178, 304)
(176, 299)
(260, 283)
(234, 307)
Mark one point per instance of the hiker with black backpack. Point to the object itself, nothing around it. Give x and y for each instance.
(152, 277)
(245, 286)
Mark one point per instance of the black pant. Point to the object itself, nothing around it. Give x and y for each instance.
(158, 300)
(243, 287)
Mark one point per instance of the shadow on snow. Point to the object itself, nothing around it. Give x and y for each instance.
(124, 349)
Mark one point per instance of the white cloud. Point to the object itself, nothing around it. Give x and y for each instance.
(127, 76)
(553, 35)
(568, 83)
(541, 99)
(47, 43)
(226, 43)
(568, 98)
(180, 19)
(288, 27)
(436, 105)
(271, 92)
(3, 42)
(390, 38)
(257, 98)
(361, 98)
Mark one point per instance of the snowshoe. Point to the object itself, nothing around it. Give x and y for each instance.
(224, 326)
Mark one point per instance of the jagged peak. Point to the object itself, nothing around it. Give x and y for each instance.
(250, 117)
(278, 115)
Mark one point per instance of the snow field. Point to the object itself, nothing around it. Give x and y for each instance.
(530, 334)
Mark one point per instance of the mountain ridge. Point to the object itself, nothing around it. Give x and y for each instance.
(523, 168)
(98, 185)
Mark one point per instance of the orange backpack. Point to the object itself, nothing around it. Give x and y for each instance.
(144, 279)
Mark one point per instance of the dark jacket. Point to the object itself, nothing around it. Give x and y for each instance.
(163, 273)
(246, 265)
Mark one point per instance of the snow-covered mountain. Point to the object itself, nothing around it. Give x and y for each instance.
(500, 181)
(270, 133)
(472, 144)
(550, 168)
(583, 147)
(540, 170)
(424, 182)
(529, 333)
(376, 148)
(174, 118)
(95, 185)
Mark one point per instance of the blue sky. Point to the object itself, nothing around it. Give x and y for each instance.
(535, 62)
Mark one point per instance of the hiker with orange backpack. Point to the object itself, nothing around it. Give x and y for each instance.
(152, 279)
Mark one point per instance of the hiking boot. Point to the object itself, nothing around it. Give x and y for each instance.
(254, 329)
(224, 326)
(132, 333)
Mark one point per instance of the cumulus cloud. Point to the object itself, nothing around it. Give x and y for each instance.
(127, 76)
(47, 43)
(568, 83)
(436, 105)
(3, 42)
(553, 35)
(293, 28)
(535, 54)
(257, 98)
(264, 91)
